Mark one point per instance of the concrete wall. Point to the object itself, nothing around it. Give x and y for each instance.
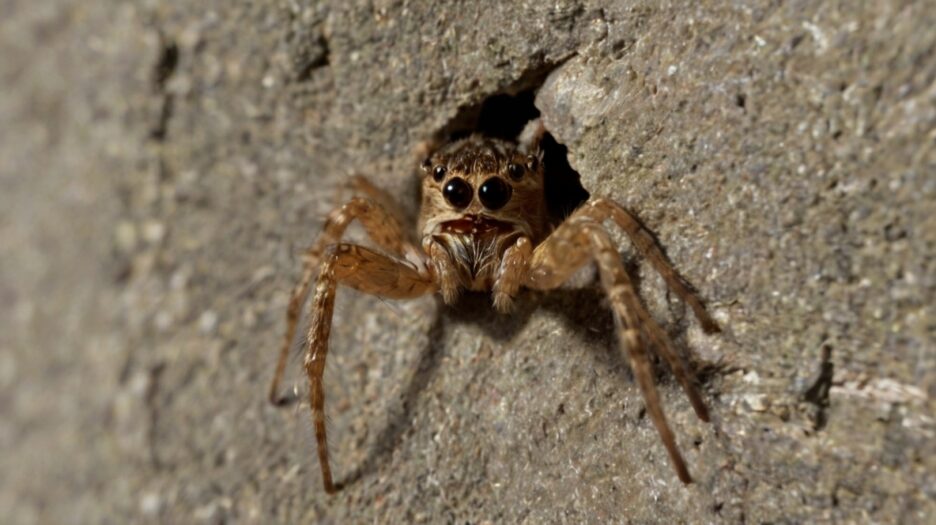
(163, 164)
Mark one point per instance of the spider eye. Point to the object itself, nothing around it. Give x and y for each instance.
(515, 171)
(494, 193)
(532, 162)
(438, 173)
(457, 192)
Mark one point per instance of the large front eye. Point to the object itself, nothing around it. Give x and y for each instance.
(457, 192)
(494, 193)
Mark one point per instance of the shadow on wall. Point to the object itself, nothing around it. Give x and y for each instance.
(592, 325)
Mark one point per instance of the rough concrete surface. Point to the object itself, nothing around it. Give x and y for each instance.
(164, 163)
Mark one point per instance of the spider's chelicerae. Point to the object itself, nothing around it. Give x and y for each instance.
(483, 226)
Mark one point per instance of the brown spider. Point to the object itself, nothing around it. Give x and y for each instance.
(484, 227)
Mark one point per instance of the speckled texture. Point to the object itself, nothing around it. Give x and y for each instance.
(164, 163)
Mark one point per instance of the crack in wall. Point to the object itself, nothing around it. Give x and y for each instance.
(165, 67)
(818, 393)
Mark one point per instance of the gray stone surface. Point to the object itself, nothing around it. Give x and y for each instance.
(162, 165)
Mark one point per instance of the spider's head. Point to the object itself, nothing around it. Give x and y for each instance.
(487, 179)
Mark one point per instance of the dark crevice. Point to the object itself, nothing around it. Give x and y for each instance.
(306, 44)
(165, 67)
(818, 393)
(564, 191)
(308, 53)
(502, 114)
(159, 130)
(155, 374)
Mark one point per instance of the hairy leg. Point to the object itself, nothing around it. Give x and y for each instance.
(381, 225)
(369, 272)
(574, 243)
(362, 186)
(531, 136)
(513, 269)
(443, 269)
(602, 209)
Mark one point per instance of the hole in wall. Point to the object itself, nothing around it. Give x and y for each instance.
(563, 185)
(504, 116)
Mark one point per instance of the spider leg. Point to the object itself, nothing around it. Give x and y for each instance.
(511, 273)
(362, 186)
(601, 209)
(380, 224)
(364, 270)
(444, 270)
(565, 251)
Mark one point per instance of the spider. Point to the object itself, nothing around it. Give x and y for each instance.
(484, 227)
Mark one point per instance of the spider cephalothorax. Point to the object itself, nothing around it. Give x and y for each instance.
(483, 227)
(479, 196)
